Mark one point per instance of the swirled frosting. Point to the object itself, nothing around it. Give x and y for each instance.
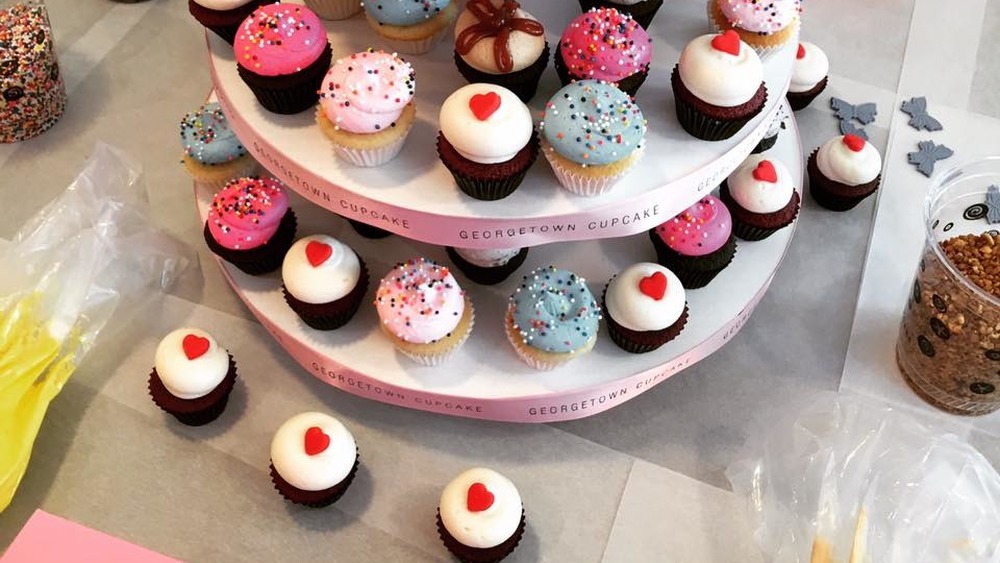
(190, 363)
(605, 44)
(717, 76)
(761, 185)
(645, 297)
(554, 311)
(810, 67)
(404, 12)
(320, 269)
(485, 123)
(488, 257)
(207, 137)
(480, 508)
(367, 91)
(763, 17)
(700, 229)
(592, 122)
(279, 39)
(419, 301)
(246, 213)
(840, 163)
(497, 36)
(313, 451)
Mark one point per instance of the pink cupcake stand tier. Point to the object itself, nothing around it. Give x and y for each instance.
(414, 196)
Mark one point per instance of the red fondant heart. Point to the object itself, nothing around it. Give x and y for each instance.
(854, 142)
(765, 172)
(318, 252)
(483, 105)
(316, 441)
(194, 346)
(654, 286)
(479, 498)
(801, 54)
(728, 42)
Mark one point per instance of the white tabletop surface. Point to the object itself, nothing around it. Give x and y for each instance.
(643, 482)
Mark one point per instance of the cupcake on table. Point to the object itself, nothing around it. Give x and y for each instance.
(605, 44)
(764, 26)
(761, 197)
(843, 172)
(809, 75)
(193, 376)
(698, 243)
(212, 153)
(313, 459)
(480, 516)
(411, 27)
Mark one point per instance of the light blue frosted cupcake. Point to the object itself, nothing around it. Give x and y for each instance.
(552, 317)
(592, 135)
(212, 153)
(411, 27)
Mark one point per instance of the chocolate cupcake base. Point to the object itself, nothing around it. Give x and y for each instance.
(263, 259)
(640, 341)
(194, 412)
(332, 315)
(289, 94)
(315, 499)
(710, 122)
(485, 275)
(641, 12)
(468, 554)
(224, 23)
(524, 83)
(630, 84)
(834, 195)
(751, 226)
(799, 100)
(693, 271)
(488, 182)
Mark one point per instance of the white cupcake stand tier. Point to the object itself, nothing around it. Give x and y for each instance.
(414, 196)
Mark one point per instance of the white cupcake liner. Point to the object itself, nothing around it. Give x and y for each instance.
(416, 47)
(334, 9)
(439, 358)
(369, 158)
(586, 186)
(536, 362)
(763, 53)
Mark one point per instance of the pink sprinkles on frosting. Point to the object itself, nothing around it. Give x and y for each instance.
(389, 81)
(687, 226)
(263, 29)
(763, 12)
(406, 290)
(607, 28)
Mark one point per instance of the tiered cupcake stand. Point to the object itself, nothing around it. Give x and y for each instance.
(415, 197)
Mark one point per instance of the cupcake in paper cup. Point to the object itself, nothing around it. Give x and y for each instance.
(222, 17)
(480, 518)
(212, 153)
(592, 136)
(487, 140)
(324, 281)
(499, 43)
(644, 307)
(487, 266)
(761, 197)
(809, 75)
(765, 27)
(552, 318)
(314, 459)
(334, 9)
(605, 44)
(409, 27)
(423, 311)
(698, 243)
(843, 172)
(192, 377)
(366, 107)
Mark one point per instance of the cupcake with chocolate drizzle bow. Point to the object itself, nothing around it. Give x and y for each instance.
(497, 42)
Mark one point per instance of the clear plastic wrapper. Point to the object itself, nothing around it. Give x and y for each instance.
(86, 254)
(851, 481)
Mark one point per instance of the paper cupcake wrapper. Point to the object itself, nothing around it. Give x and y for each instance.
(436, 359)
(524, 83)
(416, 47)
(586, 186)
(369, 158)
(248, 168)
(749, 233)
(334, 10)
(368, 231)
(314, 499)
(704, 127)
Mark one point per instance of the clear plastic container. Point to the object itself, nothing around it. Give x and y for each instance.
(949, 339)
(32, 95)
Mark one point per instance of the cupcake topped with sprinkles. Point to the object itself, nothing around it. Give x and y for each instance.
(279, 39)
(367, 92)
(246, 213)
(554, 311)
(700, 229)
(207, 137)
(605, 44)
(419, 301)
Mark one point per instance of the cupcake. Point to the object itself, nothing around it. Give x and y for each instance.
(250, 224)
(551, 318)
(212, 153)
(765, 27)
(642, 11)
(497, 42)
(761, 198)
(366, 107)
(487, 266)
(222, 17)
(192, 376)
(586, 164)
(718, 86)
(480, 518)
(605, 44)
(809, 75)
(844, 171)
(771, 135)
(644, 307)
(411, 27)
(313, 459)
(423, 311)
(324, 281)
(368, 231)
(487, 140)
(698, 243)
(282, 54)
(334, 9)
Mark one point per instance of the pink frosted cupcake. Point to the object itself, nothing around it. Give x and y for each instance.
(698, 243)
(605, 44)
(282, 54)
(764, 26)
(423, 311)
(250, 224)
(366, 107)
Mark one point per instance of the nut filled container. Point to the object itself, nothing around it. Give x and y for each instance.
(948, 346)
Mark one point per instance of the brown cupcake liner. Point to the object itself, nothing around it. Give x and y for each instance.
(224, 23)
(640, 342)
(289, 94)
(799, 100)
(368, 231)
(489, 187)
(524, 83)
(485, 275)
(630, 84)
(694, 271)
(333, 315)
(642, 12)
(314, 499)
(751, 226)
(468, 554)
(263, 259)
(834, 195)
(704, 127)
(765, 144)
(194, 412)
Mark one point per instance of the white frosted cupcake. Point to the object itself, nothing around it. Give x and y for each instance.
(809, 75)
(192, 377)
(761, 197)
(843, 172)
(480, 516)
(313, 459)
(324, 281)
(487, 266)
(645, 307)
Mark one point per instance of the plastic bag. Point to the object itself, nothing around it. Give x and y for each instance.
(64, 274)
(852, 481)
